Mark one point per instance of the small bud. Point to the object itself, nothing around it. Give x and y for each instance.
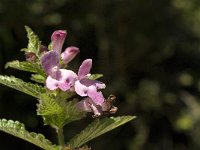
(31, 57)
(43, 49)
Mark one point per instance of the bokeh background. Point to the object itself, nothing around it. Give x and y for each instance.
(148, 51)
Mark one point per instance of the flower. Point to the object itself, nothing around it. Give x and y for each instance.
(66, 79)
(57, 78)
(88, 105)
(69, 54)
(58, 38)
(87, 87)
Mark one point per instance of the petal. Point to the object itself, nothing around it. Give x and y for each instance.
(69, 54)
(58, 38)
(80, 88)
(85, 68)
(89, 106)
(96, 96)
(67, 80)
(51, 83)
(97, 84)
(50, 62)
(63, 86)
(84, 105)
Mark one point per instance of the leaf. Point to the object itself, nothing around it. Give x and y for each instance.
(95, 76)
(38, 78)
(17, 129)
(48, 106)
(33, 42)
(97, 128)
(57, 111)
(25, 66)
(26, 87)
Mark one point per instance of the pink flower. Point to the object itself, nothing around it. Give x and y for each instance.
(87, 87)
(69, 54)
(57, 78)
(58, 38)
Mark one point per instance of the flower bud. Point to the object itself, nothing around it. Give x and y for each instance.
(58, 38)
(31, 57)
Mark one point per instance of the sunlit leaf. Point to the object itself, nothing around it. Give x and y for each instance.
(33, 43)
(17, 129)
(95, 76)
(97, 128)
(38, 78)
(25, 66)
(57, 111)
(26, 87)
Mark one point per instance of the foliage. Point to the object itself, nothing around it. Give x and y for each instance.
(57, 107)
(96, 128)
(17, 129)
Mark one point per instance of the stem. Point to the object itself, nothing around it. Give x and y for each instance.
(61, 141)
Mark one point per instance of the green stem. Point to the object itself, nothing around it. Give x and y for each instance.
(61, 140)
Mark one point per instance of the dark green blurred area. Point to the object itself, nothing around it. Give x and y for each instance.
(148, 51)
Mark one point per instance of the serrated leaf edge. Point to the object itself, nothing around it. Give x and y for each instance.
(17, 129)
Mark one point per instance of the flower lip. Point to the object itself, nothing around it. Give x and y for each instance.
(85, 68)
(69, 54)
(65, 82)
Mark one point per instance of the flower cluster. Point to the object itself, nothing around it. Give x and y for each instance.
(67, 80)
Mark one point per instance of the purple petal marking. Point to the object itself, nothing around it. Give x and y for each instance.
(85, 68)
(97, 84)
(50, 64)
(58, 38)
(52, 84)
(69, 54)
(67, 80)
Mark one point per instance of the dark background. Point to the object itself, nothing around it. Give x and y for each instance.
(148, 51)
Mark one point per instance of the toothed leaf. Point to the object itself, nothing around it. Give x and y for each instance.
(38, 78)
(17, 129)
(95, 76)
(25, 66)
(56, 111)
(97, 128)
(33, 42)
(26, 87)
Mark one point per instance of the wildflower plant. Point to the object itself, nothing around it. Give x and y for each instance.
(63, 95)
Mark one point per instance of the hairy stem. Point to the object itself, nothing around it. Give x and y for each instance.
(61, 141)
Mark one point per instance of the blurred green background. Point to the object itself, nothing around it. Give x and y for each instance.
(148, 51)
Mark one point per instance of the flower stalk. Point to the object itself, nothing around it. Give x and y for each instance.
(61, 139)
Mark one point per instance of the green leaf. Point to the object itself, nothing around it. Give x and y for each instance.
(25, 66)
(38, 78)
(17, 129)
(33, 43)
(26, 87)
(48, 106)
(97, 128)
(57, 111)
(95, 76)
